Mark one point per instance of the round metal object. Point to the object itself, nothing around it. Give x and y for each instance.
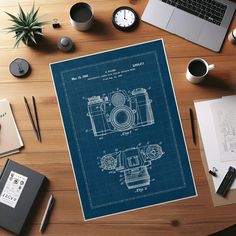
(65, 44)
(19, 68)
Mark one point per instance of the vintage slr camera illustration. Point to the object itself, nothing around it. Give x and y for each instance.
(133, 162)
(120, 111)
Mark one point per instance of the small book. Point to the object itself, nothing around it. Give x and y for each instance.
(10, 139)
(19, 188)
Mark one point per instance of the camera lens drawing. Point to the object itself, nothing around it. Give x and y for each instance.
(133, 163)
(120, 111)
(122, 118)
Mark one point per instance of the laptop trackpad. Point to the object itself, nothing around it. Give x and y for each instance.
(185, 25)
(157, 13)
(212, 36)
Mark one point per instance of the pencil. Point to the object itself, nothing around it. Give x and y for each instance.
(31, 117)
(46, 214)
(36, 118)
(192, 125)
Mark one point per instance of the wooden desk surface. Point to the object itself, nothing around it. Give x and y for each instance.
(195, 216)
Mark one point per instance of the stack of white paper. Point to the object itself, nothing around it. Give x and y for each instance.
(10, 140)
(217, 123)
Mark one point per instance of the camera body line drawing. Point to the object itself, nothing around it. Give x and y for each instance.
(133, 163)
(224, 116)
(228, 130)
(120, 111)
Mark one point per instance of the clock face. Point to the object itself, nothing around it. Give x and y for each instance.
(125, 18)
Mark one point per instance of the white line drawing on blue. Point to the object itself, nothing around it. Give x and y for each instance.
(120, 111)
(133, 163)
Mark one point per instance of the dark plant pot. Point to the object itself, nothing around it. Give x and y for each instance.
(37, 39)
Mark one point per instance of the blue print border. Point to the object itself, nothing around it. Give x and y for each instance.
(189, 184)
(77, 139)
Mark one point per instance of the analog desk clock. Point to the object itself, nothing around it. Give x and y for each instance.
(125, 18)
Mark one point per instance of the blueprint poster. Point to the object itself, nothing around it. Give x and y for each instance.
(123, 129)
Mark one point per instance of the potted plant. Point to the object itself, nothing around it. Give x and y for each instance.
(26, 26)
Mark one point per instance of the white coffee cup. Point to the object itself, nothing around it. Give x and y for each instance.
(81, 16)
(197, 70)
(232, 36)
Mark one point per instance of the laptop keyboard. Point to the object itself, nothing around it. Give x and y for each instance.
(209, 10)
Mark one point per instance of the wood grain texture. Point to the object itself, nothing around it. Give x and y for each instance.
(195, 216)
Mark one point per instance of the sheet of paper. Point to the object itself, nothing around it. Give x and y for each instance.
(9, 153)
(123, 129)
(10, 139)
(210, 143)
(13, 188)
(229, 98)
(224, 116)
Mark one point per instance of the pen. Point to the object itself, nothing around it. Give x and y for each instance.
(46, 214)
(192, 125)
(36, 118)
(31, 118)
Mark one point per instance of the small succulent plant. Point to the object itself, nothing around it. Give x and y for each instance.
(26, 26)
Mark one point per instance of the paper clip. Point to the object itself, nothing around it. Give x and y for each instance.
(213, 172)
(55, 23)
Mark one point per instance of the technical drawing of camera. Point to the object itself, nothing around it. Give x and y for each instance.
(230, 143)
(120, 111)
(133, 162)
(229, 133)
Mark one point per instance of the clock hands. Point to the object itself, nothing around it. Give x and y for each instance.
(125, 14)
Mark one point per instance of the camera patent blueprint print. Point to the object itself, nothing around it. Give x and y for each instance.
(123, 129)
(133, 163)
(120, 111)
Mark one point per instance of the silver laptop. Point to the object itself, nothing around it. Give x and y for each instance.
(204, 22)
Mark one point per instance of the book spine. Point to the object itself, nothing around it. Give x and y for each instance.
(4, 167)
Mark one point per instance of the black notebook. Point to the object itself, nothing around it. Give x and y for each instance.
(19, 187)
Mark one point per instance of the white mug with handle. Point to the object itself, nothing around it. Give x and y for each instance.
(197, 70)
